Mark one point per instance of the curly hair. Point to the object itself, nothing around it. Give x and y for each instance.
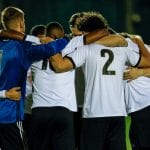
(92, 21)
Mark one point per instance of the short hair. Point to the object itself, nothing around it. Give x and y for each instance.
(38, 29)
(92, 21)
(51, 26)
(9, 15)
(73, 19)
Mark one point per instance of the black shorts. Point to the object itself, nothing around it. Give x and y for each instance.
(10, 137)
(51, 128)
(77, 125)
(140, 129)
(106, 133)
(26, 124)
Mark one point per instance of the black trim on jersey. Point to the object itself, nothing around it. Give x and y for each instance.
(138, 61)
(74, 65)
(84, 40)
(44, 64)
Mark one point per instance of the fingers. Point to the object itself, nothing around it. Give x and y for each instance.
(126, 76)
(14, 93)
(16, 96)
(16, 88)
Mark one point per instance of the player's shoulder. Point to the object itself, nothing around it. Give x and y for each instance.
(132, 45)
(8, 43)
(77, 38)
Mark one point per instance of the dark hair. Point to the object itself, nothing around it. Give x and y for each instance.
(9, 14)
(74, 17)
(37, 29)
(51, 26)
(92, 21)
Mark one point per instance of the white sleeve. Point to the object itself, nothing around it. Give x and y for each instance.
(132, 45)
(133, 57)
(133, 53)
(2, 94)
(73, 44)
(79, 56)
(33, 39)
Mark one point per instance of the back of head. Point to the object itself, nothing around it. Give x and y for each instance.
(73, 23)
(10, 17)
(92, 21)
(54, 30)
(38, 30)
(74, 19)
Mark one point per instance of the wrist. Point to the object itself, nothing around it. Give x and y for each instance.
(3, 94)
(31, 38)
(141, 73)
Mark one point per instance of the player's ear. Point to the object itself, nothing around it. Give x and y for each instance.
(22, 25)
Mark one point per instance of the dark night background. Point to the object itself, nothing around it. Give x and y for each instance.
(131, 16)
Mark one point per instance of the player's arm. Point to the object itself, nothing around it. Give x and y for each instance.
(89, 38)
(133, 73)
(61, 64)
(13, 93)
(112, 40)
(35, 53)
(12, 34)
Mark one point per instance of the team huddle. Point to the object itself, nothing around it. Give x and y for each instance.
(40, 69)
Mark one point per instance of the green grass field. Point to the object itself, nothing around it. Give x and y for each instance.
(128, 120)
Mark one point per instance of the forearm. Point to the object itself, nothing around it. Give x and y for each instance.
(12, 34)
(144, 72)
(112, 40)
(61, 64)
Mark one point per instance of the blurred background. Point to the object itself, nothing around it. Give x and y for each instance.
(132, 16)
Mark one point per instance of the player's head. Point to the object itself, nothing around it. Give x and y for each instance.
(38, 30)
(92, 21)
(54, 30)
(13, 18)
(73, 23)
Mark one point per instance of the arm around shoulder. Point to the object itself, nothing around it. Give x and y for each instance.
(61, 64)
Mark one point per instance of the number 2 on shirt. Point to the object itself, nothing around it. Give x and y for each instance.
(108, 62)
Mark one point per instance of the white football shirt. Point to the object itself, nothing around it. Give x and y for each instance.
(137, 93)
(103, 70)
(55, 89)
